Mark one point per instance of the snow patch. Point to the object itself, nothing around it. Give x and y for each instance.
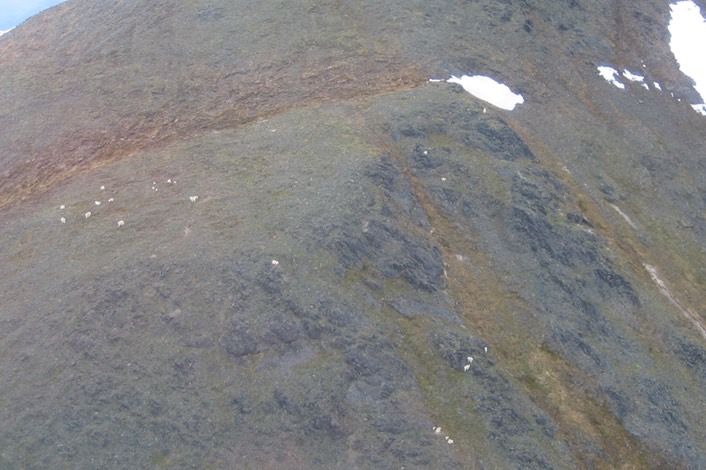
(693, 318)
(487, 89)
(624, 216)
(633, 77)
(610, 75)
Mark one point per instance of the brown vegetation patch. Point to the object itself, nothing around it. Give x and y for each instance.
(264, 93)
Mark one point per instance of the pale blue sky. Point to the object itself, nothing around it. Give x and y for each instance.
(14, 12)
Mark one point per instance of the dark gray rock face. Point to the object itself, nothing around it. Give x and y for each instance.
(327, 261)
(394, 254)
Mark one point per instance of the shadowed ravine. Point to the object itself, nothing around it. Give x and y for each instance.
(324, 257)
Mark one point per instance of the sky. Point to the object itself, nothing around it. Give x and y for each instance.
(14, 12)
(688, 29)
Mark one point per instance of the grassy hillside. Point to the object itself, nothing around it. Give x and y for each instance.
(324, 257)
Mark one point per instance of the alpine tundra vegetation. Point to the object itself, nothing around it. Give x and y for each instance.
(392, 218)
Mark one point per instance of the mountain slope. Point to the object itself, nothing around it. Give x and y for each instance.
(316, 239)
